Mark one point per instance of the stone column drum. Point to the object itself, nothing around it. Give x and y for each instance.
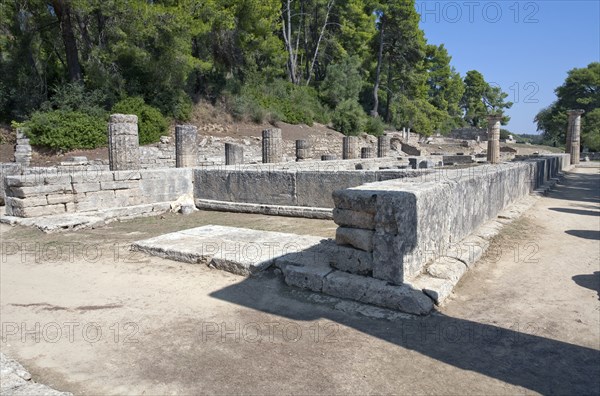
(573, 145)
(186, 148)
(272, 146)
(350, 149)
(302, 150)
(366, 152)
(234, 154)
(123, 142)
(383, 146)
(493, 149)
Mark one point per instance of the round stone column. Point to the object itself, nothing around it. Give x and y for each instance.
(123, 142)
(302, 150)
(573, 145)
(366, 152)
(493, 149)
(186, 148)
(272, 146)
(350, 149)
(383, 146)
(234, 154)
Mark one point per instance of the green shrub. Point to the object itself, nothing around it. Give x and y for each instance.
(278, 100)
(374, 126)
(66, 130)
(151, 123)
(349, 118)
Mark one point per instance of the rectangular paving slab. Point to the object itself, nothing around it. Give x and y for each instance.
(238, 250)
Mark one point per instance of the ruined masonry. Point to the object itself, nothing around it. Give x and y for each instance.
(185, 146)
(405, 237)
(573, 144)
(123, 142)
(272, 150)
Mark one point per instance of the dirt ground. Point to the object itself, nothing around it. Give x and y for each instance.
(85, 315)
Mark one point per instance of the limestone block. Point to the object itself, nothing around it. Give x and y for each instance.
(373, 291)
(60, 198)
(437, 289)
(307, 276)
(355, 237)
(351, 260)
(80, 188)
(23, 192)
(118, 185)
(27, 202)
(355, 219)
(127, 175)
(357, 200)
(47, 210)
(447, 268)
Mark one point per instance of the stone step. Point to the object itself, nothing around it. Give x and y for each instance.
(238, 250)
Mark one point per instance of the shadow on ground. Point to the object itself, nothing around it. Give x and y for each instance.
(515, 354)
(577, 211)
(585, 234)
(591, 281)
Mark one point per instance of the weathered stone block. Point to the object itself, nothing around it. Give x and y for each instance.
(355, 237)
(357, 200)
(27, 202)
(118, 185)
(351, 260)
(355, 219)
(23, 192)
(47, 210)
(80, 188)
(127, 175)
(373, 291)
(60, 198)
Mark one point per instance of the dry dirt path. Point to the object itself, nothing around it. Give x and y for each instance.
(95, 319)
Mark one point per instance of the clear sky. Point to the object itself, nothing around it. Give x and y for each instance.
(525, 47)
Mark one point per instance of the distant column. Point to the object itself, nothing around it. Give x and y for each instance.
(573, 145)
(350, 149)
(383, 146)
(272, 146)
(123, 142)
(234, 154)
(302, 150)
(23, 150)
(366, 152)
(186, 148)
(493, 150)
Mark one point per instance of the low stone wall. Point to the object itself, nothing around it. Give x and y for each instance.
(283, 187)
(7, 169)
(50, 192)
(398, 226)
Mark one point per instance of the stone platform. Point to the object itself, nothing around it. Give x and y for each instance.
(303, 260)
(237, 250)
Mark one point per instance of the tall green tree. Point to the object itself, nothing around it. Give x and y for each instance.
(581, 90)
(481, 99)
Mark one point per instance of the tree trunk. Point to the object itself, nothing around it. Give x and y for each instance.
(375, 111)
(389, 94)
(63, 13)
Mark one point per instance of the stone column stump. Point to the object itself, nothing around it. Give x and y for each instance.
(234, 154)
(302, 150)
(186, 148)
(573, 144)
(350, 149)
(123, 142)
(272, 146)
(383, 146)
(493, 149)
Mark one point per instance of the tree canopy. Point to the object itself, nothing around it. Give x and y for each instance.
(581, 90)
(267, 60)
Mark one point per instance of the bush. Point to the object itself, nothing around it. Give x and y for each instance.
(66, 130)
(374, 126)
(151, 123)
(278, 100)
(349, 118)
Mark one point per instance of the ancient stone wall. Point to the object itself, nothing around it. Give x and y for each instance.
(400, 225)
(52, 192)
(283, 187)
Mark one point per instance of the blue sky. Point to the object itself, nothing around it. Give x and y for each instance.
(526, 47)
